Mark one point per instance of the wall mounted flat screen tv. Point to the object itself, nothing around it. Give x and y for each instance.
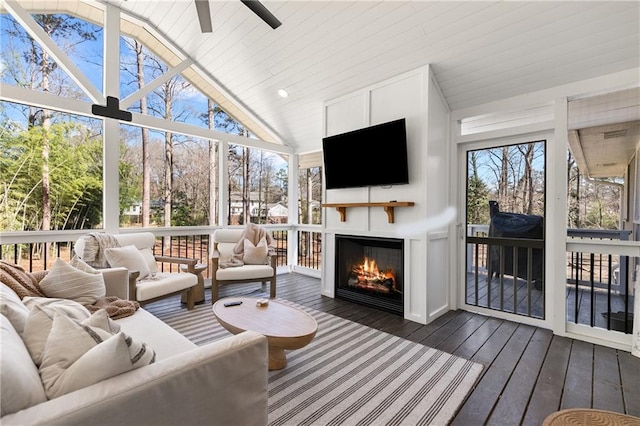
(373, 156)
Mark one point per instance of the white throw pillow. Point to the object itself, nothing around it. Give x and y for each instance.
(78, 355)
(12, 307)
(128, 257)
(21, 385)
(150, 259)
(68, 282)
(40, 319)
(255, 255)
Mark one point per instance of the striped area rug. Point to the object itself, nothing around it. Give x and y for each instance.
(349, 374)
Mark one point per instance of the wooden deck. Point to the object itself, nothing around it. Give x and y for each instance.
(529, 373)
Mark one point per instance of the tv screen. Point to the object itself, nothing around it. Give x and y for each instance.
(373, 156)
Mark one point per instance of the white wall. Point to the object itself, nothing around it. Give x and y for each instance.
(415, 97)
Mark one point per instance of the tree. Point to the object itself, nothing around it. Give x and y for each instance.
(42, 69)
(76, 178)
(146, 166)
(477, 193)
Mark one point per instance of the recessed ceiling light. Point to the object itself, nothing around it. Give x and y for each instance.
(283, 93)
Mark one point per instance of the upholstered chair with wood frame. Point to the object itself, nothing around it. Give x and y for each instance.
(256, 270)
(146, 283)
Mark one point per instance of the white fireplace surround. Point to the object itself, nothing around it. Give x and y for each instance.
(415, 97)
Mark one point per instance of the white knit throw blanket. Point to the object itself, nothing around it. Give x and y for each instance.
(95, 244)
(253, 233)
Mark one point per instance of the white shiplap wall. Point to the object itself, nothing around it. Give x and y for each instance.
(415, 97)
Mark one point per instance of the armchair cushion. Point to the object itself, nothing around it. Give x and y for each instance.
(81, 283)
(246, 272)
(128, 257)
(163, 283)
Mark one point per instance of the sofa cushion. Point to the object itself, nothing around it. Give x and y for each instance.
(21, 383)
(80, 283)
(78, 355)
(255, 255)
(12, 307)
(128, 257)
(40, 319)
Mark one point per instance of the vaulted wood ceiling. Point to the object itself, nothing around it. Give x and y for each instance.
(480, 51)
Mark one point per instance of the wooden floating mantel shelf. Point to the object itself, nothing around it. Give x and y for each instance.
(388, 207)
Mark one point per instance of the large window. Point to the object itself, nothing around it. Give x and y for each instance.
(166, 179)
(53, 163)
(26, 64)
(50, 170)
(310, 195)
(257, 188)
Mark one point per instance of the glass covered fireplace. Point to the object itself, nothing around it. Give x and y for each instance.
(369, 271)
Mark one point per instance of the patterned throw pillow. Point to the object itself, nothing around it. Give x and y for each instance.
(82, 283)
(77, 355)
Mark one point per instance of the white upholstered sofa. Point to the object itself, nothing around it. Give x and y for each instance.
(221, 383)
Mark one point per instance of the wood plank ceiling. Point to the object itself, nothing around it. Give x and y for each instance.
(480, 51)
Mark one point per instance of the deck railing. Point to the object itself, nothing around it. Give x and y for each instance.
(599, 282)
(37, 251)
(601, 267)
(494, 258)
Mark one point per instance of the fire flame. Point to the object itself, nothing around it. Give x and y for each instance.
(368, 271)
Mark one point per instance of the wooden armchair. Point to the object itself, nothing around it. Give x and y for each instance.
(224, 240)
(146, 283)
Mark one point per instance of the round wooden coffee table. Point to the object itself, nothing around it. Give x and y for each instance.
(285, 327)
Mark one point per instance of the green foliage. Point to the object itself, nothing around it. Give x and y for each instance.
(75, 175)
(130, 182)
(477, 201)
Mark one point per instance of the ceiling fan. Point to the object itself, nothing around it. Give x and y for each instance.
(204, 14)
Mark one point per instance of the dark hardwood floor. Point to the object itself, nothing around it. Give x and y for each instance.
(529, 373)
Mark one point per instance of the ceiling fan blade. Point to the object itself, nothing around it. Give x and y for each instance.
(204, 15)
(262, 12)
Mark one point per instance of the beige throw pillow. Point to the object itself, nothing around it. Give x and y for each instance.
(150, 259)
(85, 285)
(255, 255)
(128, 257)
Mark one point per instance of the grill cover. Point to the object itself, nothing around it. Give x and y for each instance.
(516, 225)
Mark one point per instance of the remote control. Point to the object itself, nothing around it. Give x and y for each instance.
(236, 303)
